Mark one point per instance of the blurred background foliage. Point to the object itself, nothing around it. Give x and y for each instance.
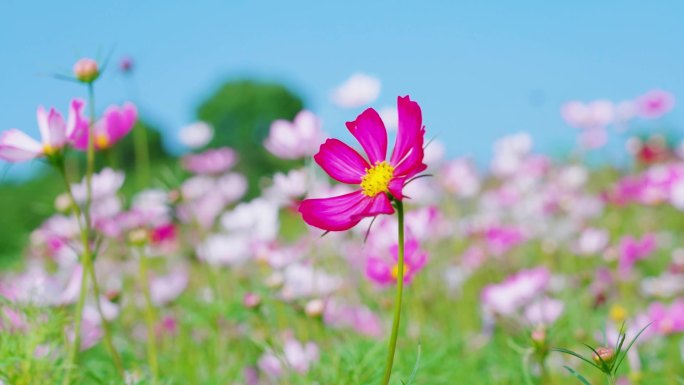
(241, 112)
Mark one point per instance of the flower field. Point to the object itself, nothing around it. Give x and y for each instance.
(370, 259)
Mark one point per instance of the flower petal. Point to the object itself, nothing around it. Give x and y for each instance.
(341, 162)
(407, 156)
(377, 270)
(75, 120)
(380, 204)
(337, 213)
(119, 121)
(56, 130)
(396, 187)
(16, 146)
(370, 131)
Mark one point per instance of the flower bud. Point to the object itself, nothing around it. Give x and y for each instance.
(126, 64)
(63, 203)
(251, 300)
(86, 70)
(538, 336)
(138, 237)
(605, 354)
(314, 308)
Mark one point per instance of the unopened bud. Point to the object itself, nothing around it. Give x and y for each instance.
(86, 70)
(126, 64)
(138, 237)
(251, 300)
(605, 354)
(63, 203)
(314, 308)
(538, 336)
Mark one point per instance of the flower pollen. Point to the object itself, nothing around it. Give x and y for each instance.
(395, 271)
(101, 141)
(377, 179)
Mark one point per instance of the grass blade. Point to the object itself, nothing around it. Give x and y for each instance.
(577, 375)
(570, 352)
(412, 377)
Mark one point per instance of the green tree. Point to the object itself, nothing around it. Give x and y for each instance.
(241, 113)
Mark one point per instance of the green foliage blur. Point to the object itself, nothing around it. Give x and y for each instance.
(241, 113)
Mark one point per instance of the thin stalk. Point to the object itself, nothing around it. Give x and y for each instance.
(142, 156)
(400, 289)
(88, 270)
(105, 323)
(149, 320)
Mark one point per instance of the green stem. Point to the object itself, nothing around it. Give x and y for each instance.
(105, 324)
(400, 288)
(88, 269)
(71, 362)
(149, 320)
(142, 156)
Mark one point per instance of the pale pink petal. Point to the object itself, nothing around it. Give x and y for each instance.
(341, 162)
(56, 130)
(16, 146)
(75, 119)
(370, 131)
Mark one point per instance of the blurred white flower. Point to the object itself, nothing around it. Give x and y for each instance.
(357, 91)
(196, 135)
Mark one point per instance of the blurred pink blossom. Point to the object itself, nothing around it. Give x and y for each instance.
(632, 250)
(16, 146)
(114, 125)
(386, 272)
(654, 104)
(212, 161)
(300, 138)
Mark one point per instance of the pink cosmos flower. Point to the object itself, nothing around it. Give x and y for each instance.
(385, 273)
(116, 123)
(297, 139)
(16, 146)
(667, 320)
(633, 250)
(654, 104)
(214, 161)
(377, 178)
(517, 290)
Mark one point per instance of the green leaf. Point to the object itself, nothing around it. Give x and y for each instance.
(570, 352)
(412, 377)
(577, 375)
(604, 366)
(619, 362)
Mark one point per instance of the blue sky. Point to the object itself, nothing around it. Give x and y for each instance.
(479, 70)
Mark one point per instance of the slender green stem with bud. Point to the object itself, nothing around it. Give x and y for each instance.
(400, 289)
(149, 319)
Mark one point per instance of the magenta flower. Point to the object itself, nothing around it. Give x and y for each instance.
(633, 250)
(385, 272)
(377, 178)
(16, 146)
(667, 320)
(115, 124)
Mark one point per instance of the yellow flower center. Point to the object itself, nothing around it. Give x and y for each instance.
(395, 270)
(618, 313)
(377, 179)
(101, 141)
(48, 149)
